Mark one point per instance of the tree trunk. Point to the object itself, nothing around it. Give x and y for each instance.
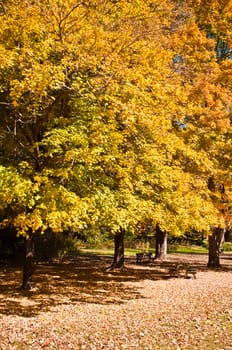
(118, 262)
(161, 243)
(228, 235)
(28, 265)
(215, 241)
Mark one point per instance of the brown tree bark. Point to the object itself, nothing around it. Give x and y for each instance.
(217, 236)
(228, 235)
(215, 241)
(161, 243)
(28, 265)
(118, 261)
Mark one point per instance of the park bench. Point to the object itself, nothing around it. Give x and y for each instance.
(190, 271)
(141, 257)
(174, 270)
(179, 270)
(185, 270)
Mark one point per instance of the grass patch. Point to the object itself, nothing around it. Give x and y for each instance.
(175, 248)
(97, 251)
(227, 246)
(187, 249)
(110, 251)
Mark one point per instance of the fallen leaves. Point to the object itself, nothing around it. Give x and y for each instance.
(119, 312)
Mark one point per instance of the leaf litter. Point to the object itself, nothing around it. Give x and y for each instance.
(138, 309)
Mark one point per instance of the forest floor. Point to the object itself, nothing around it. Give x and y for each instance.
(78, 305)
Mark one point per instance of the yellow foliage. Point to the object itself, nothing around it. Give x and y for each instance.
(113, 112)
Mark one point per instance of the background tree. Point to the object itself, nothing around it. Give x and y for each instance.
(215, 112)
(200, 60)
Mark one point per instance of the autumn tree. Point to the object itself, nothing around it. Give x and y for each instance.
(200, 51)
(141, 165)
(94, 107)
(211, 94)
(36, 78)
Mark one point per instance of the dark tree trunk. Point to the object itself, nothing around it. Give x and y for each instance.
(28, 265)
(118, 262)
(161, 243)
(228, 236)
(215, 241)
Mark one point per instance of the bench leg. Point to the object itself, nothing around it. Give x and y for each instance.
(189, 273)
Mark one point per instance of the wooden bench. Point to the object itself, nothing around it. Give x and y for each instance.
(179, 270)
(190, 271)
(174, 271)
(140, 257)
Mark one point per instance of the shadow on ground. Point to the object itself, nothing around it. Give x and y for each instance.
(84, 279)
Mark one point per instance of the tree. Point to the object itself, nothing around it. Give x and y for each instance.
(161, 243)
(217, 236)
(201, 42)
(118, 261)
(36, 87)
(94, 103)
(214, 111)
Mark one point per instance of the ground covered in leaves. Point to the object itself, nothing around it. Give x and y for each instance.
(78, 305)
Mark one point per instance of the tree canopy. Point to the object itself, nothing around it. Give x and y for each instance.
(112, 113)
